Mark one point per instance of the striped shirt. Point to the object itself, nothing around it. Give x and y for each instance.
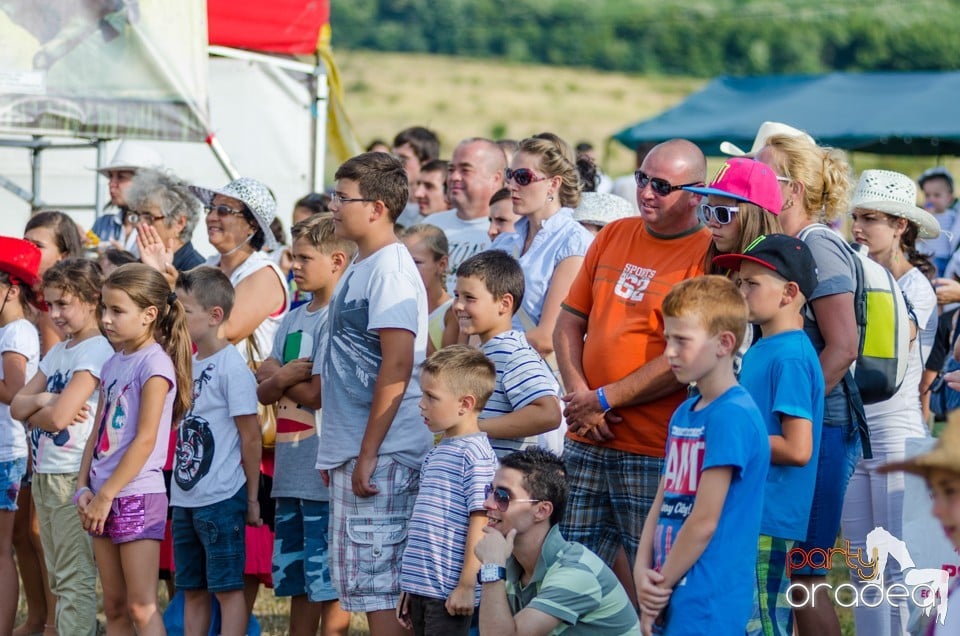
(453, 478)
(573, 584)
(522, 377)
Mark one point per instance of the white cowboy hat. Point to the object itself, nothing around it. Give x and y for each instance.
(132, 155)
(600, 208)
(894, 194)
(255, 195)
(767, 129)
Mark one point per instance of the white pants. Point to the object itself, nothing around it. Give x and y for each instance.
(872, 500)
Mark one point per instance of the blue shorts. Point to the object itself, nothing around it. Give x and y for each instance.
(839, 454)
(208, 544)
(301, 554)
(11, 474)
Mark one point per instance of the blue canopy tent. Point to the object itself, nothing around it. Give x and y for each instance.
(912, 113)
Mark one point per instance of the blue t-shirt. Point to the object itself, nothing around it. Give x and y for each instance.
(715, 596)
(783, 376)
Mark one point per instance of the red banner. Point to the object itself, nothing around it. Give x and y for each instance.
(278, 26)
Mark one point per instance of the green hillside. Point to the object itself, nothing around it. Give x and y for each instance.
(702, 39)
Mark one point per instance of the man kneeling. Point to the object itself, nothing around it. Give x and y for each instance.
(533, 579)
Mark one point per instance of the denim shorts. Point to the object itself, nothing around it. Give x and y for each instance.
(136, 517)
(11, 474)
(301, 553)
(208, 544)
(839, 454)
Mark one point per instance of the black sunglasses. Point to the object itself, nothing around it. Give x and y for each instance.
(501, 497)
(722, 213)
(522, 176)
(660, 186)
(222, 210)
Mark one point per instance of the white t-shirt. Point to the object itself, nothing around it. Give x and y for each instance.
(61, 452)
(20, 336)
(207, 467)
(382, 291)
(900, 417)
(466, 238)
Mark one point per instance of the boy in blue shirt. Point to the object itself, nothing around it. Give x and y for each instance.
(524, 409)
(782, 373)
(300, 550)
(695, 565)
(438, 575)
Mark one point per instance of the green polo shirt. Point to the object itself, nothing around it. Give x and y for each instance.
(573, 584)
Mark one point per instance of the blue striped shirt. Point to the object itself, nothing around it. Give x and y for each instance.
(522, 377)
(453, 478)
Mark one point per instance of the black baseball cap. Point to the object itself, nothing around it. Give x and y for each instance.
(787, 256)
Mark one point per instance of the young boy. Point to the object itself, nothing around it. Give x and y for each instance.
(372, 440)
(300, 558)
(439, 571)
(524, 409)
(782, 374)
(217, 467)
(941, 470)
(695, 565)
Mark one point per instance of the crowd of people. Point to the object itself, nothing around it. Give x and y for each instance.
(483, 395)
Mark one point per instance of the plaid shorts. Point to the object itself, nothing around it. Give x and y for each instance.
(611, 492)
(368, 534)
(772, 613)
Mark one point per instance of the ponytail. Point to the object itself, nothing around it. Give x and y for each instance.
(908, 243)
(147, 287)
(173, 335)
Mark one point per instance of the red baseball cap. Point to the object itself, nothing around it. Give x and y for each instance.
(20, 259)
(745, 180)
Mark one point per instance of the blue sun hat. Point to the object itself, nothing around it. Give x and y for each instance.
(255, 195)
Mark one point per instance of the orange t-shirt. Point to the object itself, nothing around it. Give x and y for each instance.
(625, 276)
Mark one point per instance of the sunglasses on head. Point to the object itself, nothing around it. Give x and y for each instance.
(660, 186)
(501, 497)
(522, 176)
(723, 214)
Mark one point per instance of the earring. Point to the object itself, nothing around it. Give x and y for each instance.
(550, 198)
(787, 205)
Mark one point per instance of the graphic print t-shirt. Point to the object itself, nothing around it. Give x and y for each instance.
(61, 452)
(124, 376)
(295, 474)
(716, 594)
(382, 291)
(207, 468)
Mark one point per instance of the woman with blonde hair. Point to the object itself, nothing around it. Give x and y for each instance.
(545, 187)
(815, 184)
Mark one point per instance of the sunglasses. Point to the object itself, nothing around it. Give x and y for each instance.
(522, 176)
(223, 210)
(723, 214)
(501, 497)
(660, 186)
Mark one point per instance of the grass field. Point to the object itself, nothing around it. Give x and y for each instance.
(460, 98)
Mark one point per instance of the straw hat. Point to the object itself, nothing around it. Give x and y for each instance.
(255, 195)
(600, 208)
(132, 155)
(894, 194)
(945, 455)
(767, 129)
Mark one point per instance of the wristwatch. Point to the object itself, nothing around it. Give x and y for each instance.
(491, 573)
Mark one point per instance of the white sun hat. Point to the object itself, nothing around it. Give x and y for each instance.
(600, 208)
(767, 129)
(894, 194)
(132, 155)
(255, 195)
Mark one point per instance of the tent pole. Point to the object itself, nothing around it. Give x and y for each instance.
(35, 170)
(321, 93)
(221, 156)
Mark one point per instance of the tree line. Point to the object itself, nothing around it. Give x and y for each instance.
(696, 38)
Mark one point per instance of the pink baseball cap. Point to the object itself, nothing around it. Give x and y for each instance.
(745, 180)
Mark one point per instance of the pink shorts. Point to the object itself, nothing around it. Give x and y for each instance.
(136, 517)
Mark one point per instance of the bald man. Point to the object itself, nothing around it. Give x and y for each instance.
(609, 344)
(475, 174)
